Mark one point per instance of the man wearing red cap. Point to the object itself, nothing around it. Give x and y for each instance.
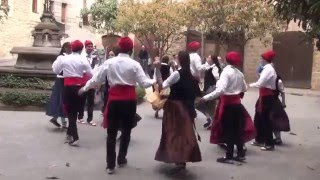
(195, 60)
(233, 125)
(73, 66)
(93, 60)
(123, 73)
(270, 114)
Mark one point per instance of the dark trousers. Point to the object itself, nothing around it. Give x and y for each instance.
(120, 117)
(89, 99)
(263, 122)
(233, 124)
(105, 97)
(73, 104)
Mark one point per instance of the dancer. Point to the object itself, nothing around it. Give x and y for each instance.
(178, 142)
(73, 67)
(232, 125)
(280, 91)
(270, 115)
(123, 74)
(89, 96)
(55, 104)
(165, 71)
(211, 76)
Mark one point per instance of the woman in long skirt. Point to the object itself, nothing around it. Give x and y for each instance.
(211, 76)
(55, 105)
(178, 142)
(165, 71)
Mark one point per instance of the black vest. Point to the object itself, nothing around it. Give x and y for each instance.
(165, 71)
(185, 88)
(209, 79)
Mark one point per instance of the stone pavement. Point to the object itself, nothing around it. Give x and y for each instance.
(31, 149)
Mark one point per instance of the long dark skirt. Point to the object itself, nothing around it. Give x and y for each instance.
(178, 140)
(54, 106)
(207, 108)
(276, 113)
(233, 125)
(270, 116)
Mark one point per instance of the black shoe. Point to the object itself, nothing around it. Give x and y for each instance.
(55, 122)
(277, 141)
(181, 166)
(74, 142)
(240, 158)
(267, 148)
(259, 144)
(225, 160)
(122, 162)
(110, 171)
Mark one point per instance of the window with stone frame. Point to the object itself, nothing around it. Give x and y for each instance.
(35, 6)
(63, 12)
(4, 3)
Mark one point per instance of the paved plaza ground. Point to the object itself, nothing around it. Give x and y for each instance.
(31, 149)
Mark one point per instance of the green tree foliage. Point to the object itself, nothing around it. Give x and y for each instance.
(102, 15)
(160, 21)
(231, 18)
(305, 12)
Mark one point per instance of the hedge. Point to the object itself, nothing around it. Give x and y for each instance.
(141, 92)
(24, 99)
(10, 81)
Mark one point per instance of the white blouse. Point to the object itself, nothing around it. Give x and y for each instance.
(120, 70)
(231, 82)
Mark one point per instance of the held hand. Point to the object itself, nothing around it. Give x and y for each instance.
(201, 101)
(81, 91)
(157, 63)
(247, 86)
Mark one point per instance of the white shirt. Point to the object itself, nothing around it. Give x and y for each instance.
(267, 78)
(172, 79)
(72, 65)
(231, 82)
(120, 70)
(60, 76)
(196, 65)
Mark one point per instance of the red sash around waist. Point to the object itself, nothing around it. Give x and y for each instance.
(71, 81)
(81, 81)
(230, 99)
(118, 93)
(266, 92)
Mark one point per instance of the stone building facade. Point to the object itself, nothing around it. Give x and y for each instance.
(25, 14)
(254, 48)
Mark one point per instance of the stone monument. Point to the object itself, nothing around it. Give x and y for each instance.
(37, 60)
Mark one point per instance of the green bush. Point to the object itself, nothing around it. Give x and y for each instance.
(24, 99)
(10, 81)
(141, 92)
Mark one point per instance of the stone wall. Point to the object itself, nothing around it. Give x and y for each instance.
(16, 29)
(253, 49)
(315, 80)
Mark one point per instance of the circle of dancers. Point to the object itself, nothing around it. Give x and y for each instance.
(180, 91)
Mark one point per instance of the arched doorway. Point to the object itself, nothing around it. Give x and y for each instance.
(294, 58)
